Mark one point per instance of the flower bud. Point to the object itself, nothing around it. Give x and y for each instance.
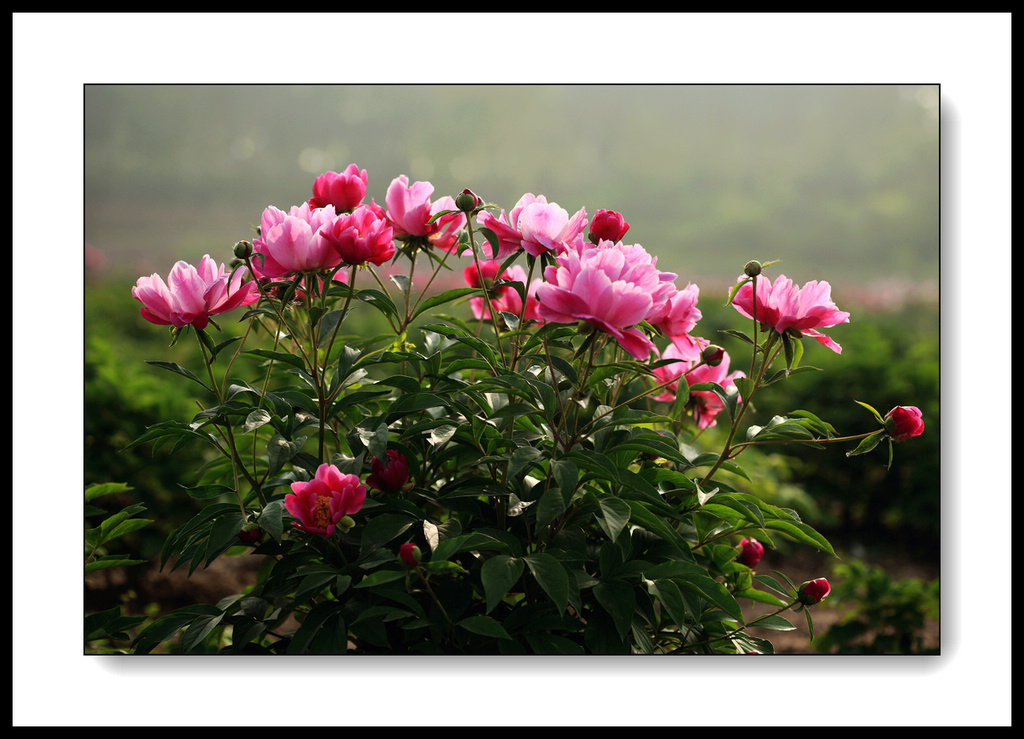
(390, 477)
(243, 249)
(813, 591)
(607, 226)
(751, 552)
(904, 422)
(752, 268)
(409, 554)
(345, 524)
(467, 201)
(250, 534)
(713, 355)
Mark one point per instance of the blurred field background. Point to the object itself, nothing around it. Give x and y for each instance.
(840, 183)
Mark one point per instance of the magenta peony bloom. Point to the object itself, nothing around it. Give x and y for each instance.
(361, 237)
(751, 552)
(782, 305)
(409, 211)
(534, 225)
(813, 591)
(390, 478)
(607, 226)
(706, 404)
(342, 190)
(321, 503)
(613, 287)
(294, 241)
(904, 422)
(192, 295)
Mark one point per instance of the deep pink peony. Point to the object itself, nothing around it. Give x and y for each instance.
(607, 226)
(904, 422)
(613, 287)
(192, 295)
(813, 591)
(680, 318)
(361, 237)
(534, 225)
(782, 305)
(343, 190)
(392, 478)
(706, 404)
(294, 241)
(321, 503)
(409, 210)
(504, 298)
(751, 552)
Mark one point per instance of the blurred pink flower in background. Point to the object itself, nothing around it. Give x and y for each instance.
(534, 225)
(343, 190)
(294, 241)
(612, 287)
(191, 295)
(782, 305)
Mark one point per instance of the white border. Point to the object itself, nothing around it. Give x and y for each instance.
(55, 54)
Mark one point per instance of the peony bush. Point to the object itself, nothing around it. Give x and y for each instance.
(521, 464)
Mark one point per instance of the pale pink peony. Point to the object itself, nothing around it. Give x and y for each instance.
(706, 404)
(322, 502)
(192, 295)
(361, 237)
(534, 225)
(343, 190)
(783, 306)
(613, 287)
(294, 241)
(409, 210)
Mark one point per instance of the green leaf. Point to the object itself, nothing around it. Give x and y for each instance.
(499, 573)
(801, 532)
(614, 515)
(616, 597)
(177, 369)
(104, 488)
(284, 357)
(867, 443)
(775, 623)
(551, 576)
(485, 626)
(379, 578)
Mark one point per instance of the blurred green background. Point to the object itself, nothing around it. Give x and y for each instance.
(840, 183)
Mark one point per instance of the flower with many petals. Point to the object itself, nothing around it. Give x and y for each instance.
(294, 241)
(361, 237)
(706, 404)
(505, 298)
(191, 295)
(323, 501)
(534, 225)
(409, 212)
(784, 306)
(342, 190)
(613, 287)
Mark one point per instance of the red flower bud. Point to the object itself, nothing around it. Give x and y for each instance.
(250, 534)
(904, 422)
(751, 552)
(813, 591)
(713, 355)
(409, 554)
(390, 478)
(608, 225)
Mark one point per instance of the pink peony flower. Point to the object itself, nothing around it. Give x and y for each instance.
(192, 295)
(680, 318)
(612, 287)
(294, 241)
(813, 591)
(390, 478)
(361, 237)
(608, 226)
(782, 305)
(751, 552)
(342, 190)
(904, 422)
(706, 404)
(321, 503)
(504, 298)
(409, 210)
(534, 225)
